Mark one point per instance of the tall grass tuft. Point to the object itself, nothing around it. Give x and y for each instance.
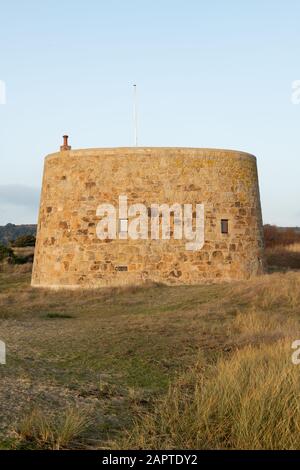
(250, 401)
(53, 433)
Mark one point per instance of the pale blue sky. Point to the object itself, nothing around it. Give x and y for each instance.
(214, 73)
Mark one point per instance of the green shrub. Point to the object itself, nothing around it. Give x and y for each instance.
(22, 259)
(6, 253)
(24, 240)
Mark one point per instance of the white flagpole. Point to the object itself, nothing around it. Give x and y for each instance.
(135, 116)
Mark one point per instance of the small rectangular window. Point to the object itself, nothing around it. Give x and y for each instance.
(123, 225)
(224, 226)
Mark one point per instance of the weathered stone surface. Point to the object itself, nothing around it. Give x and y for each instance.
(69, 254)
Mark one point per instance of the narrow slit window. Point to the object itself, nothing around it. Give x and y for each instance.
(224, 226)
(123, 225)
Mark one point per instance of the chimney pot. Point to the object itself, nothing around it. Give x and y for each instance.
(65, 145)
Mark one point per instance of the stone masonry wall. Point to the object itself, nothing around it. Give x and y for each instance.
(69, 254)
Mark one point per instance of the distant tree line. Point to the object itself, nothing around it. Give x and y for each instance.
(11, 232)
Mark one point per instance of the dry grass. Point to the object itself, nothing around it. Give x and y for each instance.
(23, 251)
(250, 401)
(58, 432)
(15, 269)
(256, 327)
(275, 291)
(136, 341)
(283, 257)
(247, 398)
(295, 248)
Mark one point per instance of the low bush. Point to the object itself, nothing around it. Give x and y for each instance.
(23, 241)
(6, 253)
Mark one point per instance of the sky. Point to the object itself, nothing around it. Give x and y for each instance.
(215, 73)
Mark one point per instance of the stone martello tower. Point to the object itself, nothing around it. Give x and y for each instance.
(69, 253)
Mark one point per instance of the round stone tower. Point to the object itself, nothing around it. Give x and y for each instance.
(217, 188)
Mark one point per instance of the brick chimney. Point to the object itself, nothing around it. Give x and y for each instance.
(65, 145)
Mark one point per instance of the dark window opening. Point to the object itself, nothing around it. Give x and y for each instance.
(224, 226)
